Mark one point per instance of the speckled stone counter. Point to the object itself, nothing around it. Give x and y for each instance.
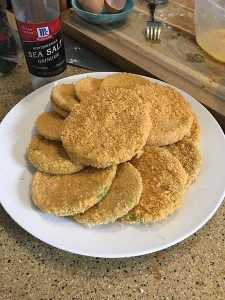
(30, 269)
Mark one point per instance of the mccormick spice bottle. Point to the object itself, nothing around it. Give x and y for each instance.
(39, 26)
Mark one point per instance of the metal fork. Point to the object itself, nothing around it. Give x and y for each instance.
(153, 29)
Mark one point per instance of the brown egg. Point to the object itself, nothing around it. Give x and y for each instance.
(93, 6)
(114, 6)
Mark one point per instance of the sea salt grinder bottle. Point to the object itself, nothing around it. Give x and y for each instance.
(39, 26)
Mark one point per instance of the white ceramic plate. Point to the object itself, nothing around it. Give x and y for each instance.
(202, 198)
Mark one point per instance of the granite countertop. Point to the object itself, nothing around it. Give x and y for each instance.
(31, 269)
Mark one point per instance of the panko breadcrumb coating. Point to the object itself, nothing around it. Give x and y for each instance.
(109, 127)
(189, 155)
(62, 112)
(50, 157)
(123, 195)
(171, 115)
(66, 195)
(123, 80)
(164, 184)
(105, 122)
(64, 96)
(86, 86)
(195, 132)
(49, 125)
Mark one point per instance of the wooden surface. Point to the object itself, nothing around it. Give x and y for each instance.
(125, 45)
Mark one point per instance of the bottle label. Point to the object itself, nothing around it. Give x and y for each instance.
(43, 47)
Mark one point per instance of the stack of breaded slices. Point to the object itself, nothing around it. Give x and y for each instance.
(119, 148)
